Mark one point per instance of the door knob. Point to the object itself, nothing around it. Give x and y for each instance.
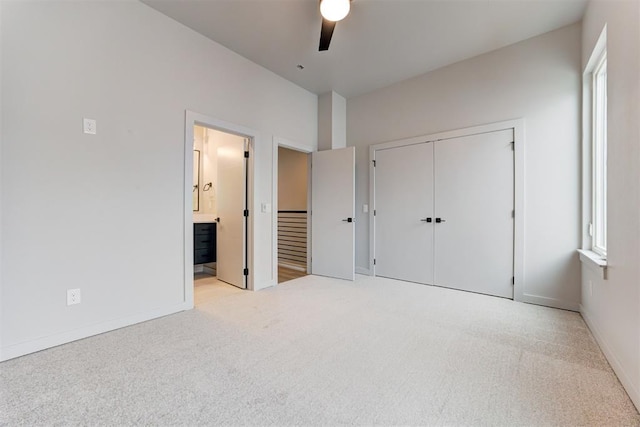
(426, 220)
(348, 220)
(218, 219)
(439, 220)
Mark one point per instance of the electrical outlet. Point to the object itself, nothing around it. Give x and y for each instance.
(73, 296)
(89, 126)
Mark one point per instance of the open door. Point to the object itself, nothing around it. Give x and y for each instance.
(333, 213)
(231, 228)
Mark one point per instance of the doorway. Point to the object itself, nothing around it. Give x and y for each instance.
(293, 215)
(330, 207)
(218, 231)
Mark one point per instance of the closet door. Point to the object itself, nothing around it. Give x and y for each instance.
(474, 186)
(404, 213)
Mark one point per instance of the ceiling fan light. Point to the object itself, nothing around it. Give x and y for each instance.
(334, 10)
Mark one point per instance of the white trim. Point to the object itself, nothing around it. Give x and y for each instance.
(550, 302)
(518, 126)
(42, 343)
(187, 279)
(624, 378)
(1, 222)
(597, 158)
(595, 262)
(304, 148)
(192, 119)
(587, 134)
(586, 163)
(309, 213)
(598, 49)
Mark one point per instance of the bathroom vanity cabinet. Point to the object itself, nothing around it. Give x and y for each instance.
(204, 242)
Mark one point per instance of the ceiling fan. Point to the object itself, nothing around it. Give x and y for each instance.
(332, 11)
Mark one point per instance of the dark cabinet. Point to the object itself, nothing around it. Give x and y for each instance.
(204, 242)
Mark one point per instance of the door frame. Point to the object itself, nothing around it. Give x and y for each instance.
(303, 148)
(518, 126)
(192, 119)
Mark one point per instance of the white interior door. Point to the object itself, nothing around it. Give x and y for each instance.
(231, 200)
(333, 213)
(474, 201)
(404, 213)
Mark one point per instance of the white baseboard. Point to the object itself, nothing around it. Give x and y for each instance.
(362, 270)
(624, 378)
(550, 302)
(24, 348)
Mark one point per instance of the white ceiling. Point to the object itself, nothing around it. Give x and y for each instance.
(379, 43)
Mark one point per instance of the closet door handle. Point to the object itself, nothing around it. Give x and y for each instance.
(426, 220)
(348, 220)
(439, 220)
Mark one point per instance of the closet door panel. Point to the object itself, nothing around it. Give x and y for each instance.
(333, 186)
(474, 199)
(403, 202)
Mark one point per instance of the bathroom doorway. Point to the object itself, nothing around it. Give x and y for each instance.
(219, 251)
(293, 214)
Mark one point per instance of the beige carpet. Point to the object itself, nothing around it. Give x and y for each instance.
(321, 351)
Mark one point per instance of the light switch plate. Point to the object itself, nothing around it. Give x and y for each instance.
(73, 296)
(89, 126)
(266, 207)
(365, 208)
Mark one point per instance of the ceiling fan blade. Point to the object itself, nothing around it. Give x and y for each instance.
(325, 34)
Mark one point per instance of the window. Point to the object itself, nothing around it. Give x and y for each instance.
(598, 226)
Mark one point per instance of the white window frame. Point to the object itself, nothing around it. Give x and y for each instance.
(594, 161)
(599, 155)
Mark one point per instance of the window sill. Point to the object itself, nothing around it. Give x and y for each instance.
(594, 262)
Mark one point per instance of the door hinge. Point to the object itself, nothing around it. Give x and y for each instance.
(374, 261)
(245, 272)
(513, 280)
(246, 212)
(513, 146)
(374, 163)
(513, 213)
(374, 212)
(246, 154)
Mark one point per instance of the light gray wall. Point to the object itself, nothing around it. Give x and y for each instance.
(292, 179)
(538, 80)
(332, 121)
(104, 213)
(325, 122)
(612, 307)
(338, 121)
